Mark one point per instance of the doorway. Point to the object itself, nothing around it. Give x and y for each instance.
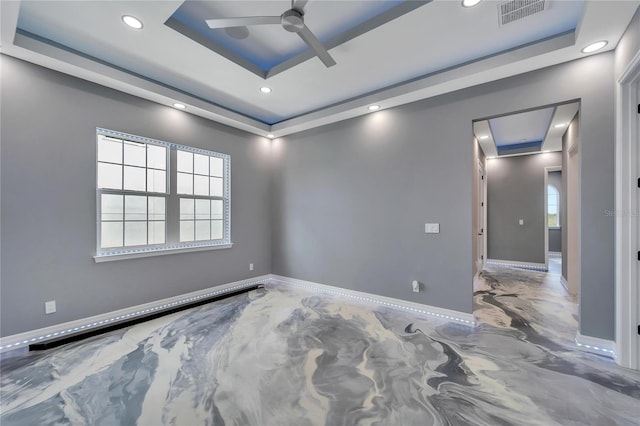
(520, 160)
(627, 216)
(554, 215)
(481, 223)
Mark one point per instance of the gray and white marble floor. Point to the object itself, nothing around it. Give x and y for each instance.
(285, 356)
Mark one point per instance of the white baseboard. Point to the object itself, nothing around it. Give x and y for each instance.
(541, 267)
(564, 283)
(84, 324)
(22, 340)
(595, 345)
(447, 314)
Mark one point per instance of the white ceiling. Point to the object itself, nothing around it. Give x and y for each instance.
(432, 50)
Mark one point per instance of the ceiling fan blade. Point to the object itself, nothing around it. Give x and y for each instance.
(242, 22)
(307, 36)
(299, 4)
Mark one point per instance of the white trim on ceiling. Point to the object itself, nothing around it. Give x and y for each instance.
(555, 50)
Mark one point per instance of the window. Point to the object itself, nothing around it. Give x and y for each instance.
(553, 207)
(142, 212)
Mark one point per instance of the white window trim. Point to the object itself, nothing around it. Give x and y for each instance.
(123, 253)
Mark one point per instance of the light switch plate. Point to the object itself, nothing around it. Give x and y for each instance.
(432, 228)
(521, 221)
(50, 307)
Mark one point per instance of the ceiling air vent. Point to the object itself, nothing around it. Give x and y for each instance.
(514, 10)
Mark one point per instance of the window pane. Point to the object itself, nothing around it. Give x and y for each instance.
(135, 207)
(203, 209)
(202, 230)
(134, 178)
(216, 209)
(216, 187)
(156, 232)
(134, 154)
(157, 157)
(109, 176)
(217, 166)
(156, 180)
(111, 234)
(109, 150)
(185, 183)
(156, 208)
(200, 185)
(135, 233)
(216, 230)
(111, 207)
(185, 161)
(186, 208)
(201, 164)
(186, 230)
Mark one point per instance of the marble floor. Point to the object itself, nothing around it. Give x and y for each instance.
(285, 356)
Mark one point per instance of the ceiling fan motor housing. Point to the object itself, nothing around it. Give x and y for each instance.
(292, 21)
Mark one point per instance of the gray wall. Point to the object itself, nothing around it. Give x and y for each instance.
(48, 201)
(555, 234)
(351, 198)
(515, 190)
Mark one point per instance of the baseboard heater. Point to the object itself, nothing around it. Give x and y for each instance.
(53, 343)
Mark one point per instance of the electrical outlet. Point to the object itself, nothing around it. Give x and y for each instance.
(521, 221)
(432, 228)
(251, 266)
(415, 285)
(50, 307)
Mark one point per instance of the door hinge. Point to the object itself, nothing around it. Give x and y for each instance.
(639, 256)
(482, 203)
(638, 182)
(482, 258)
(638, 328)
(482, 177)
(638, 108)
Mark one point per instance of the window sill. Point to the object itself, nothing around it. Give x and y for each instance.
(157, 252)
(555, 227)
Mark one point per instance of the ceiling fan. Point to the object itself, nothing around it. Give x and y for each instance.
(292, 20)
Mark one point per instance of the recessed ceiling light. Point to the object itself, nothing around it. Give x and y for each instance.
(132, 21)
(557, 126)
(374, 107)
(595, 46)
(180, 106)
(483, 137)
(470, 3)
(265, 89)
(271, 136)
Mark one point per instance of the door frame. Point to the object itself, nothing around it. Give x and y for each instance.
(546, 215)
(627, 168)
(482, 211)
